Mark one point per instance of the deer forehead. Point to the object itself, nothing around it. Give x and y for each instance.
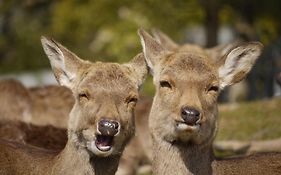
(188, 67)
(108, 77)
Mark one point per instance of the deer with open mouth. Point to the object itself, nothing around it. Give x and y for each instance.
(101, 121)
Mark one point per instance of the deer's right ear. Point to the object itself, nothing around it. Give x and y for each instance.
(152, 50)
(65, 64)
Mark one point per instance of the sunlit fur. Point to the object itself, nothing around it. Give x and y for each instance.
(107, 91)
(193, 78)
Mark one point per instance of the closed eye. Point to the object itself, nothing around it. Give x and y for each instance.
(165, 84)
(83, 95)
(133, 100)
(213, 89)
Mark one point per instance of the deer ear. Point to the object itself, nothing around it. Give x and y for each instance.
(238, 63)
(65, 64)
(139, 69)
(152, 50)
(164, 39)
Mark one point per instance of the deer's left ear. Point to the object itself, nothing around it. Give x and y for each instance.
(238, 63)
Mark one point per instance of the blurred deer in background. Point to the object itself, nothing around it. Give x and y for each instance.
(47, 105)
(36, 116)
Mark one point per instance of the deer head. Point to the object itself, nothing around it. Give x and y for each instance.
(101, 121)
(187, 87)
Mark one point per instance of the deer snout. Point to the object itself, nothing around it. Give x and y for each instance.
(190, 115)
(108, 127)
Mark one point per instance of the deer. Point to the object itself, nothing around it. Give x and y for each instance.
(51, 105)
(183, 120)
(14, 92)
(134, 156)
(38, 115)
(46, 137)
(43, 105)
(101, 121)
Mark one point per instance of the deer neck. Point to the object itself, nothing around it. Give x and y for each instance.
(74, 160)
(181, 159)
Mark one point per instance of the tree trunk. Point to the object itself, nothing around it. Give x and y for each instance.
(211, 8)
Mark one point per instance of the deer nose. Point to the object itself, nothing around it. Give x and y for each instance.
(108, 127)
(190, 115)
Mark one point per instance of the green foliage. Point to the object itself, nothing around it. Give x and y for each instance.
(101, 30)
(106, 30)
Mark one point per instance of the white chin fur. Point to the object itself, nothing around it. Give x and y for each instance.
(91, 146)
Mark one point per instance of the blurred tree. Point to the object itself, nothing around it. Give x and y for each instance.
(211, 21)
(259, 20)
(106, 30)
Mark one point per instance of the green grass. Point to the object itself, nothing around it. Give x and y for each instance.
(257, 120)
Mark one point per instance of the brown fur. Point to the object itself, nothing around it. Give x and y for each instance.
(138, 151)
(47, 137)
(51, 105)
(16, 103)
(133, 156)
(193, 79)
(47, 105)
(101, 91)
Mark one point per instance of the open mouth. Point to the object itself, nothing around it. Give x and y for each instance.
(104, 143)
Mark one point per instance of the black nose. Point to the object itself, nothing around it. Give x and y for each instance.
(190, 115)
(108, 127)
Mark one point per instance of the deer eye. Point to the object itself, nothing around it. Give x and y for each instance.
(132, 100)
(83, 95)
(165, 84)
(213, 89)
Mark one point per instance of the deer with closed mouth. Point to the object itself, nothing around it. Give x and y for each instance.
(184, 114)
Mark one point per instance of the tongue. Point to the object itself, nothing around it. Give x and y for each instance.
(104, 140)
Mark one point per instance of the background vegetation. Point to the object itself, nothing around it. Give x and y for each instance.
(259, 120)
(106, 30)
